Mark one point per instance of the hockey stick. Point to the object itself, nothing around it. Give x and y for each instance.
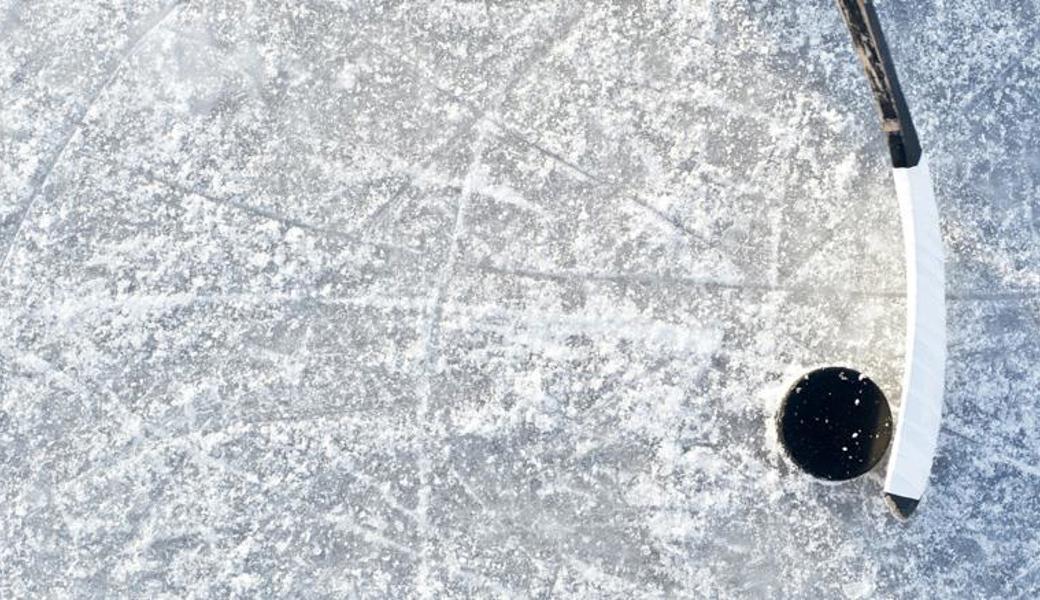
(920, 413)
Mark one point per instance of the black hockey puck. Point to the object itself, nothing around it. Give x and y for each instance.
(834, 423)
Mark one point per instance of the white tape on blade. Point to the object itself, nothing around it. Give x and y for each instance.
(920, 413)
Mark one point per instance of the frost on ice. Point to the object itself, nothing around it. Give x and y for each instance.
(470, 299)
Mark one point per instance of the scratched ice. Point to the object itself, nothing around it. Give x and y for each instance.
(488, 299)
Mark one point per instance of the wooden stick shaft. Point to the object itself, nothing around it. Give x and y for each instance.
(869, 41)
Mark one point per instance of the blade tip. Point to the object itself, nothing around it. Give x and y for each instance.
(901, 506)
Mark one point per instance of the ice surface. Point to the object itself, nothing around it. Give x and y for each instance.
(493, 298)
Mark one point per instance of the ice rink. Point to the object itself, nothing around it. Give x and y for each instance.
(497, 299)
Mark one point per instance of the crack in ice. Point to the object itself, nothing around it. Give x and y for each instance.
(40, 178)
